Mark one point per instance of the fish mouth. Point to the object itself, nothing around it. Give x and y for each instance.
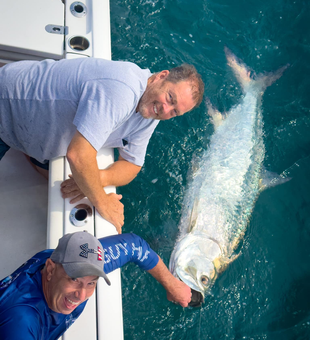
(197, 299)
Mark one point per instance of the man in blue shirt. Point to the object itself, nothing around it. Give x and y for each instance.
(44, 297)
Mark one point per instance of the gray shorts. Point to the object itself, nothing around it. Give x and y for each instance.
(4, 148)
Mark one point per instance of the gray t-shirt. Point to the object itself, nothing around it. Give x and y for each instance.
(43, 103)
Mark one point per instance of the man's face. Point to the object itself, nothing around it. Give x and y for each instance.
(63, 294)
(164, 100)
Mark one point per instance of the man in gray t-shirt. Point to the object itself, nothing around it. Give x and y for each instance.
(75, 107)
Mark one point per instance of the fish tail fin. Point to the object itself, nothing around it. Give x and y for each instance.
(269, 78)
(247, 77)
(241, 71)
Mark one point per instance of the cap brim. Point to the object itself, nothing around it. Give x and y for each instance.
(76, 270)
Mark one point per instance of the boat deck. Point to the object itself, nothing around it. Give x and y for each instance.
(23, 211)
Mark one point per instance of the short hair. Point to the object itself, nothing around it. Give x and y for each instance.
(187, 72)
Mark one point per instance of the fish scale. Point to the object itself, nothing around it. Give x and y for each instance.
(225, 167)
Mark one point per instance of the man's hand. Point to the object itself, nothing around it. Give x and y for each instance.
(112, 210)
(177, 291)
(69, 189)
(119, 173)
(180, 294)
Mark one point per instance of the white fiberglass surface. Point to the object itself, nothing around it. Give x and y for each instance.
(23, 211)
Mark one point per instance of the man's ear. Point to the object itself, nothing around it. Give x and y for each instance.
(160, 75)
(163, 74)
(50, 268)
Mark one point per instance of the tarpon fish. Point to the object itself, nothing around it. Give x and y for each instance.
(222, 192)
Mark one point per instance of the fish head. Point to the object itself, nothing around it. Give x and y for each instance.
(197, 273)
(192, 262)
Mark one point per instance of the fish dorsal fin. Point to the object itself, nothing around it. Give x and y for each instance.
(194, 216)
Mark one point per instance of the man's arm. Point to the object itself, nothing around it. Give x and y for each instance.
(82, 159)
(117, 174)
(121, 249)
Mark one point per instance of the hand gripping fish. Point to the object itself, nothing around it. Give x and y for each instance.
(222, 193)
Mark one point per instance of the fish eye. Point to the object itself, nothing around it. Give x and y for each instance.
(204, 280)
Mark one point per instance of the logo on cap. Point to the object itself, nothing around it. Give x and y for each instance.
(86, 250)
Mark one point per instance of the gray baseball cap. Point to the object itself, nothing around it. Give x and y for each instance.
(80, 254)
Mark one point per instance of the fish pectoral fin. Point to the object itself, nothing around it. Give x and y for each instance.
(234, 257)
(217, 117)
(220, 264)
(194, 215)
(271, 179)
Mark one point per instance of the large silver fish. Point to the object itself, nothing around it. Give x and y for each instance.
(220, 198)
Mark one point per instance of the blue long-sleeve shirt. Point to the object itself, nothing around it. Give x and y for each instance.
(24, 313)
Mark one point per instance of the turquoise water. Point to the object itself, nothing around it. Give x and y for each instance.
(263, 294)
